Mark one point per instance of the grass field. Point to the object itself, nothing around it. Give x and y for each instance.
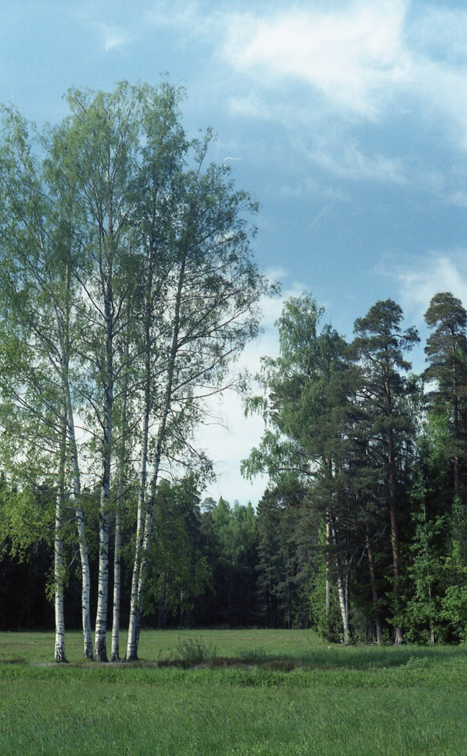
(233, 692)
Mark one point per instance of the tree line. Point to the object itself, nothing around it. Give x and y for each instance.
(368, 466)
(202, 567)
(361, 533)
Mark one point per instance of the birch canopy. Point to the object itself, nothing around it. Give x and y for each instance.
(127, 289)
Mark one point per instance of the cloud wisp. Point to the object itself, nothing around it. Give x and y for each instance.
(340, 69)
(430, 274)
(353, 57)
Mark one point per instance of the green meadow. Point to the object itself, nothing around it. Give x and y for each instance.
(233, 692)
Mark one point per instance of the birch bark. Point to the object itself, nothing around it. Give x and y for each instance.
(100, 642)
(82, 539)
(143, 543)
(115, 651)
(341, 589)
(63, 338)
(58, 552)
(134, 622)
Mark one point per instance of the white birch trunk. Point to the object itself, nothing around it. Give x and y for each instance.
(82, 542)
(141, 512)
(100, 641)
(59, 654)
(133, 631)
(115, 651)
(85, 583)
(342, 606)
(133, 639)
(58, 599)
(341, 593)
(142, 546)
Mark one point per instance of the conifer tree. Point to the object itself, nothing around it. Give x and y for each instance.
(378, 349)
(446, 353)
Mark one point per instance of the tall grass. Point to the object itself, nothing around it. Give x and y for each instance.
(225, 692)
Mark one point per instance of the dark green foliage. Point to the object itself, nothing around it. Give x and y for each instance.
(287, 551)
(179, 570)
(231, 542)
(375, 540)
(446, 352)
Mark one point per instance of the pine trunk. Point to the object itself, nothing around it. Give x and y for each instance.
(328, 584)
(455, 392)
(374, 589)
(399, 637)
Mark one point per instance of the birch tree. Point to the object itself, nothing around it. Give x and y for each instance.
(133, 258)
(209, 314)
(37, 256)
(302, 405)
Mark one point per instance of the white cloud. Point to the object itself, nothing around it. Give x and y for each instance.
(418, 282)
(336, 68)
(353, 56)
(308, 187)
(252, 106)
(114, 38)
(435, 272)
(110, 35)
(324, 72)
(345, 160)
(323, 63)
(458, 198)
(187, 17)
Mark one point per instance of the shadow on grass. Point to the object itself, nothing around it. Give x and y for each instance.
(195, 655)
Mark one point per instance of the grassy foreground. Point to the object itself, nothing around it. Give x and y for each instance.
(232, 692)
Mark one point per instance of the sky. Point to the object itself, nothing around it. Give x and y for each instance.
(348, 122)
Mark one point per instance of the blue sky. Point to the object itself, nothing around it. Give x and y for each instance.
(348, 119)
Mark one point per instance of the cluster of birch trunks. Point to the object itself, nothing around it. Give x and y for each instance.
(127, 288)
